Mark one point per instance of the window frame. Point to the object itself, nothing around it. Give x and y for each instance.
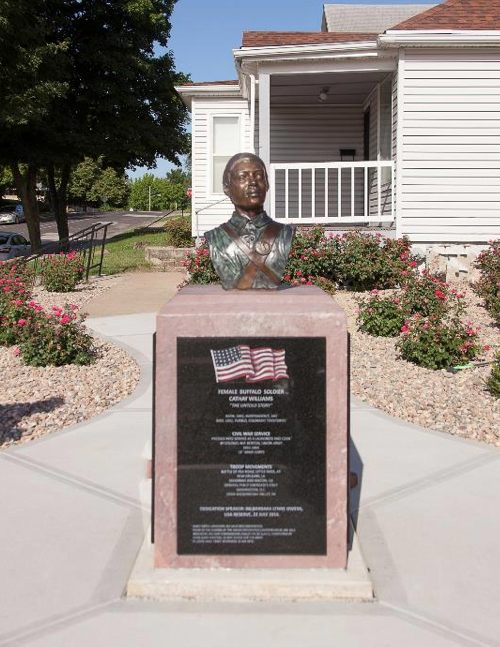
(210, 171)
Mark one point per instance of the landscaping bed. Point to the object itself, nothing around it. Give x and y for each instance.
(455, 403)
(37, 400)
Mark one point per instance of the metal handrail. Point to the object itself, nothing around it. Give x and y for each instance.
(86, 235)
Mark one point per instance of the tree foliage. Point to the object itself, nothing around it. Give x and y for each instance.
(84, 78)
(90, 182)
(6, 179)
(164, 194)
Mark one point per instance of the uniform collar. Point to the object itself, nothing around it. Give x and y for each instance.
(240, 222)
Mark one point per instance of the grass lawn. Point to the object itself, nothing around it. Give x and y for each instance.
(125, 253)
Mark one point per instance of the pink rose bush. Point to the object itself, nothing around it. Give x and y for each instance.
(488, 285)
(62, 272)
(437, 343)
(39, 337)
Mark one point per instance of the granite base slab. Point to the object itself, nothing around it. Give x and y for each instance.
(250, 585)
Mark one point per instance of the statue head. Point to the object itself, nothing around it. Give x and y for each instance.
(246, 184)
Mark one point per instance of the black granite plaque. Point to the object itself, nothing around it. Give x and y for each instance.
(251, 439)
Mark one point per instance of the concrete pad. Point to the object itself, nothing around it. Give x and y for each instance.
(436, 550)
(220, 584)
(124, 325)
(138, 292)
(130, 624)
(57, 545)
(396, 455)
(105, 453)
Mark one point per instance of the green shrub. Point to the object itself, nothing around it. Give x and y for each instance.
(178, 232)
(20, 270)
(431, 297)
(55, 338)
(435, 343)
(488, 285)
(13, 295)
(199, 265)
(493, 381)
(366, 261)
(62, 272)
(382, 317)
(311, 257)
(354, 260)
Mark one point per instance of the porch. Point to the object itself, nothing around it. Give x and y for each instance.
(329, 139)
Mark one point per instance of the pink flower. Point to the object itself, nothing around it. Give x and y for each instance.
(18, 302)
(375, 292)
(65, 319)
(439, 294)
(413, 264)
(16, 351)
(405, 329)
(486, 347)
(21, 322)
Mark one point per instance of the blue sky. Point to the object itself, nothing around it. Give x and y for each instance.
(204, 33)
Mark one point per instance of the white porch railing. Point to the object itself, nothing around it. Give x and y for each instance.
(333, 192)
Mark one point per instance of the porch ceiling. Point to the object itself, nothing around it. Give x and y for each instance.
(343, 88)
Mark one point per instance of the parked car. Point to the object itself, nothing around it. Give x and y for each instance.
(12, 215)
(13, 244)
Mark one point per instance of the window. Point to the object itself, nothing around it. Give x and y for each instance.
(225, 143)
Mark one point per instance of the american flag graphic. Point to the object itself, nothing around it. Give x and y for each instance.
(253, 364)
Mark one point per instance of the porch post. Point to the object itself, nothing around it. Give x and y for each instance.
(265, 126)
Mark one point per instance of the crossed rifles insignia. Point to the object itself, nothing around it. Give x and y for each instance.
(256, 253)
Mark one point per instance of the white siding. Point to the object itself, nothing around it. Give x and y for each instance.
(207, 214)
(450, 148)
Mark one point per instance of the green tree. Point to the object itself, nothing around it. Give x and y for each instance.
(6, 179)
(108, 92)
(90, 182)
(111, 188)
(82, 179)
(32, 56)
(165, 195)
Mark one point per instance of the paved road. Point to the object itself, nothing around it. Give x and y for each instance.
(122, 221)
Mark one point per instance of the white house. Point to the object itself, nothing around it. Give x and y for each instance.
(389, 116)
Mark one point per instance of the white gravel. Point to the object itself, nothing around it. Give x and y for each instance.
(35, 401)
(458, 404)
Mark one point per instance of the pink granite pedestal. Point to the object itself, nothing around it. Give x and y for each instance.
(209, 311)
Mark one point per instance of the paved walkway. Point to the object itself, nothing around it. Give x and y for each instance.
(72, 522)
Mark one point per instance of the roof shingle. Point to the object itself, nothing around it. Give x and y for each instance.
(457, 14)
(278, 38)
(368, 18)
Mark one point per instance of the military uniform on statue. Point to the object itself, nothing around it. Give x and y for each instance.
(250, 253)
(251, 249)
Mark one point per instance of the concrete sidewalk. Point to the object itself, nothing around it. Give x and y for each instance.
(72, 523)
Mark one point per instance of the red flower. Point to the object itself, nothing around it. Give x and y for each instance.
(21, 322)
(439, 294)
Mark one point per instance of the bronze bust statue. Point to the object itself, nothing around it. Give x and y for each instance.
(251, 249)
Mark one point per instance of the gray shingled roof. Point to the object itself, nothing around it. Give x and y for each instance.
(368, 18)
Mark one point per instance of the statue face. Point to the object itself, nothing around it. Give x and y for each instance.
(247, 186)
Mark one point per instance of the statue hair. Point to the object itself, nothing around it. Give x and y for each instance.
(226, 177)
